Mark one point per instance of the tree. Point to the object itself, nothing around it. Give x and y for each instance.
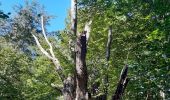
(75, 88)
(13, 70)
(24, 74)
(133, 24)
(108, 42)
(25, 22)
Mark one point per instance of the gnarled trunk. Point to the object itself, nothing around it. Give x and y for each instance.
(80, 55)
(69, 88)
(81, 69)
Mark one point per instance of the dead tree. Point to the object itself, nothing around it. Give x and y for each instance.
(75, 87)
(68, 89)
(121, 86)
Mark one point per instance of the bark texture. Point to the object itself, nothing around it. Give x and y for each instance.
(81, 69)
(69, 88)
(74, 17)
(123, 81)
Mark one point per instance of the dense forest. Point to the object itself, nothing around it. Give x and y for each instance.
(109, 50)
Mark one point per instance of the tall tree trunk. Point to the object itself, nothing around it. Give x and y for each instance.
(74, 88)
(81, 69)
(80, 56)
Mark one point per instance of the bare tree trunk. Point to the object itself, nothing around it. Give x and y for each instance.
(80, 55)
(108, 47)
(123, 81)
(81, 69)
(74, 88)
(109, 41)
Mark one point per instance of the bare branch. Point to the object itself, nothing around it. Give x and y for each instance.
(109, 43)
(46, 39)
(74, 17)
(108, 47)
(55, 60)
(43, 30)
(123, 81)
(50, 55)
(41, 48)
(87, 29)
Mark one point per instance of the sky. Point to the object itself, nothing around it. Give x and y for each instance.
(58, 8)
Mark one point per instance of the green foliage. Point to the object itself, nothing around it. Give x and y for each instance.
(13, 68)
(140, 39)
(139, 32)
(38, 85)
(25, 78)
(25, 22)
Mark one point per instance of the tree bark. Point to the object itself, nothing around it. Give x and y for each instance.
(74, 17)
(80, 55)
(123, 81)
(81, 69)
(69, 88)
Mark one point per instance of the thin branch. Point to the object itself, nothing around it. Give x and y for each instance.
(46, 39)
(109, 43)
(43, 31)
(50, 55)
(41, 48)
(55, 60)
(108, 47)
